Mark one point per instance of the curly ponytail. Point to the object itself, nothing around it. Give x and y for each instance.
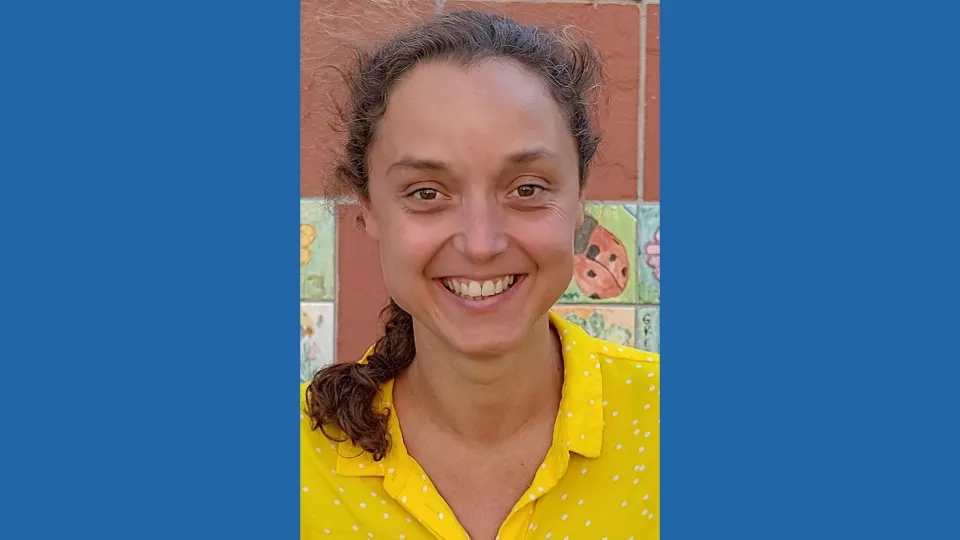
(341, 395)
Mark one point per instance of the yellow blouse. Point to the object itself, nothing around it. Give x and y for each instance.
(600, 478)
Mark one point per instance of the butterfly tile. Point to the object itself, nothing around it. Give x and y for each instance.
(605, 250)
(316, 337)
(610, 323)
(648, 261)
(317, 246)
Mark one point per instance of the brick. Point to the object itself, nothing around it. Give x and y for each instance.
(651, 128)
(615, 30)
(330, 30)
(362, 293)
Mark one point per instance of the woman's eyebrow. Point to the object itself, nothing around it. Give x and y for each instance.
(533, 154)
(516, 158)
(420, 164)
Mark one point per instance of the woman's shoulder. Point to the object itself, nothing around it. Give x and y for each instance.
(624, 353)
(631, 390)
(626, 366)
(579, 342)
(627, 375)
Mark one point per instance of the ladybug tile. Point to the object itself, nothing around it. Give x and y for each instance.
(615, 324)
(648, 263)
(648, 329)
(317, 242)
(605, 250)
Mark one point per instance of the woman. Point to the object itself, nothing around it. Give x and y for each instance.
(478, 414)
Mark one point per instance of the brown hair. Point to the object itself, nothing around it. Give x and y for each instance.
(342, 395)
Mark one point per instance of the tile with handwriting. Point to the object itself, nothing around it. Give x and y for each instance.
(648, 329)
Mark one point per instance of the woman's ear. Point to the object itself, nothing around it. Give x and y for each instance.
(367, 222)
(581, 207)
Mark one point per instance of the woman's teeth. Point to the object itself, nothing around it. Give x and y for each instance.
(476, 289)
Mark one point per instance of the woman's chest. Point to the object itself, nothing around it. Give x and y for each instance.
(483, 491)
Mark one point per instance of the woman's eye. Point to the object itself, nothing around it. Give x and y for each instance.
(425, 194)
(527, 190)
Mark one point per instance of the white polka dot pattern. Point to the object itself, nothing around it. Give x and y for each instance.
(600, 480)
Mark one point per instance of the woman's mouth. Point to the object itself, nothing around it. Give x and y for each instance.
(477, 290)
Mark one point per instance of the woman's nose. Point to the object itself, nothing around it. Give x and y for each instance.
(482, 236)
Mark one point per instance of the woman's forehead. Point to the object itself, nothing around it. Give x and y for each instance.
(494, 108)
(496, 91)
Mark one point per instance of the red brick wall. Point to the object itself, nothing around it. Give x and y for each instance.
(627, 168)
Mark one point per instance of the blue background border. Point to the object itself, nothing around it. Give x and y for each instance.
(147, 387)
(807, 387)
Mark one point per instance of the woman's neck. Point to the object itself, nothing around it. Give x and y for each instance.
(484, 400)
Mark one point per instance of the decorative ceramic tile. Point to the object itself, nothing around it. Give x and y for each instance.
(317, 245)
(611, 323)
(648, 329)
(648, 273)
(605, 247)
(316, 338)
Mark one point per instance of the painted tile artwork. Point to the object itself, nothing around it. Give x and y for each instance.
(648, 329)
(316, 338)
(611, 323)
(317, 244)
(605, 248)
(648, 262)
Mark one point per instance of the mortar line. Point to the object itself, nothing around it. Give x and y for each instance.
(336, 281)
(642, 104)
(628, 201)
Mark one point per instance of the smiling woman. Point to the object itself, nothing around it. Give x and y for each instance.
(479, 414)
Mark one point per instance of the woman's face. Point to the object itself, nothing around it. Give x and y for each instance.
(474, 198)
